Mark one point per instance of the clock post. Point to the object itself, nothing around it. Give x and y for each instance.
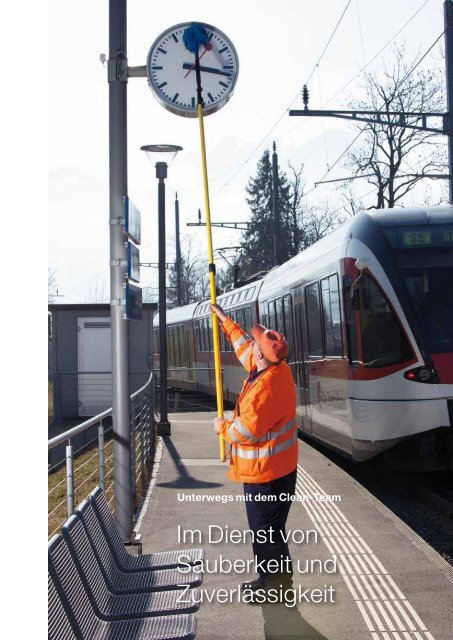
(192, 89)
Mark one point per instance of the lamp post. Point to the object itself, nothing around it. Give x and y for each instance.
(161, 155)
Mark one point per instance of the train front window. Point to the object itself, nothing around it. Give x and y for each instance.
(383, 340)
(428, 277)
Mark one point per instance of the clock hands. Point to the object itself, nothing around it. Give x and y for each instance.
(219, 72)
(207, 47)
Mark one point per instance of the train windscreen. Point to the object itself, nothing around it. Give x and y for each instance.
(428, 276)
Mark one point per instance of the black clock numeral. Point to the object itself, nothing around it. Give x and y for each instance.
(228, 66)
(175, 97)
(210, 97)
(193, 102)
(156, 68)
(224, 49)
(224, 84)
(174, 37)
(159, 86)
(161, 50)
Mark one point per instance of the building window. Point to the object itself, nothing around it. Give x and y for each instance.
(313, 319)
(383, 340)
(332, 320)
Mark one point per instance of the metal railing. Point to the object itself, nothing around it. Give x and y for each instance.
(92, 463)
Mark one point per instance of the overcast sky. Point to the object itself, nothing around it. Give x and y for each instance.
(278, 45)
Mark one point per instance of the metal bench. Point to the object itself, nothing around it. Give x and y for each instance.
(117, 580)
(153, 599)
(59, 625)
(71, 616)
(126, 562)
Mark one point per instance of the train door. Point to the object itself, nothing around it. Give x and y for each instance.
(300, 358)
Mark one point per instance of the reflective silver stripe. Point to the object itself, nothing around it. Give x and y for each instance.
(243, 356)
(242, 429)
(254, 454)
(240, 341)
(232, 434)
(270, 435)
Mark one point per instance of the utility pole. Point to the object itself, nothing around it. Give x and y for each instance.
(276, 208)
(178, 255)
(117, 77)
(448, 117)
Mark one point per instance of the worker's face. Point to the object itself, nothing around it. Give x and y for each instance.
(257, 353)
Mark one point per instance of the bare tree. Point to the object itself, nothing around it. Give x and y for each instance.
(309, 222)
(391, 155)
(194, 276)
(96, 291)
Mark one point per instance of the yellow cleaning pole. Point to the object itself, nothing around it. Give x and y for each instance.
(215, 323)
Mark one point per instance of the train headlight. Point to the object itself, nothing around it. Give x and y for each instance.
(428, 375)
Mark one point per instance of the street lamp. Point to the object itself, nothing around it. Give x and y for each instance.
(161, 155)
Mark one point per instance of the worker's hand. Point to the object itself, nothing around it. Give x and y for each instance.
(220, 313)
(218, 424)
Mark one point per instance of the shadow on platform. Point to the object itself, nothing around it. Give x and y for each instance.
(185, 480)
(282, 622)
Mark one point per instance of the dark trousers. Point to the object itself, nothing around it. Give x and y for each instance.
(264, 514)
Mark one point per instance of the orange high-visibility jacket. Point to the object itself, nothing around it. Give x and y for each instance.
(263, 433)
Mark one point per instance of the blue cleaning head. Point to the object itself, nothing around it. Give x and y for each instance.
(194, 36)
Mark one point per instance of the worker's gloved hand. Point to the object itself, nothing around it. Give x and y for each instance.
(217, 309)
(218, 424)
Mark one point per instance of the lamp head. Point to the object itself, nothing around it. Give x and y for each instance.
(161, 153)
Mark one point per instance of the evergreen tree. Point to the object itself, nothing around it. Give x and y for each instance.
(258, 241)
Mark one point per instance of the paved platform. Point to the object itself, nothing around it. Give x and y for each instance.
(387, 583)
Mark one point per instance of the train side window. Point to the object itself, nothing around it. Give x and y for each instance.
(202, 337)
(289, 332)
(241, 318)
(313, 310)
(383, 340)
(351, 325)
(199, 336)
(175, 346)
(248, 320)
(280, 316)
(209, 334)
(222, 339)
(331, 312)
(272, 318)
(181, 345)
(156, 341)
(169, 346)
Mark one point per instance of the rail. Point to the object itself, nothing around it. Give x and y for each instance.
(96, 467)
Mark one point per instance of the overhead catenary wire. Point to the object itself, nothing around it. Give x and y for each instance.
(255, 149)
(362, 69)
(292, 102)
(363, 128)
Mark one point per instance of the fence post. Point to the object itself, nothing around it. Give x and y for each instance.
(133, 449)
(143, 418)
(69, 479)
(101, 455)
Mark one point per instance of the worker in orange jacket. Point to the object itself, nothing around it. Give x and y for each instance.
(263, 439)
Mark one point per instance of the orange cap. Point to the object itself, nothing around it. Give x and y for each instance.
(272, 343)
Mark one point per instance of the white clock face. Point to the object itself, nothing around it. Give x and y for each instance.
(171, 71)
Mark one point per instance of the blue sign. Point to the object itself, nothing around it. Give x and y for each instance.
(133, 302)
(133, 221)
(133, 262)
